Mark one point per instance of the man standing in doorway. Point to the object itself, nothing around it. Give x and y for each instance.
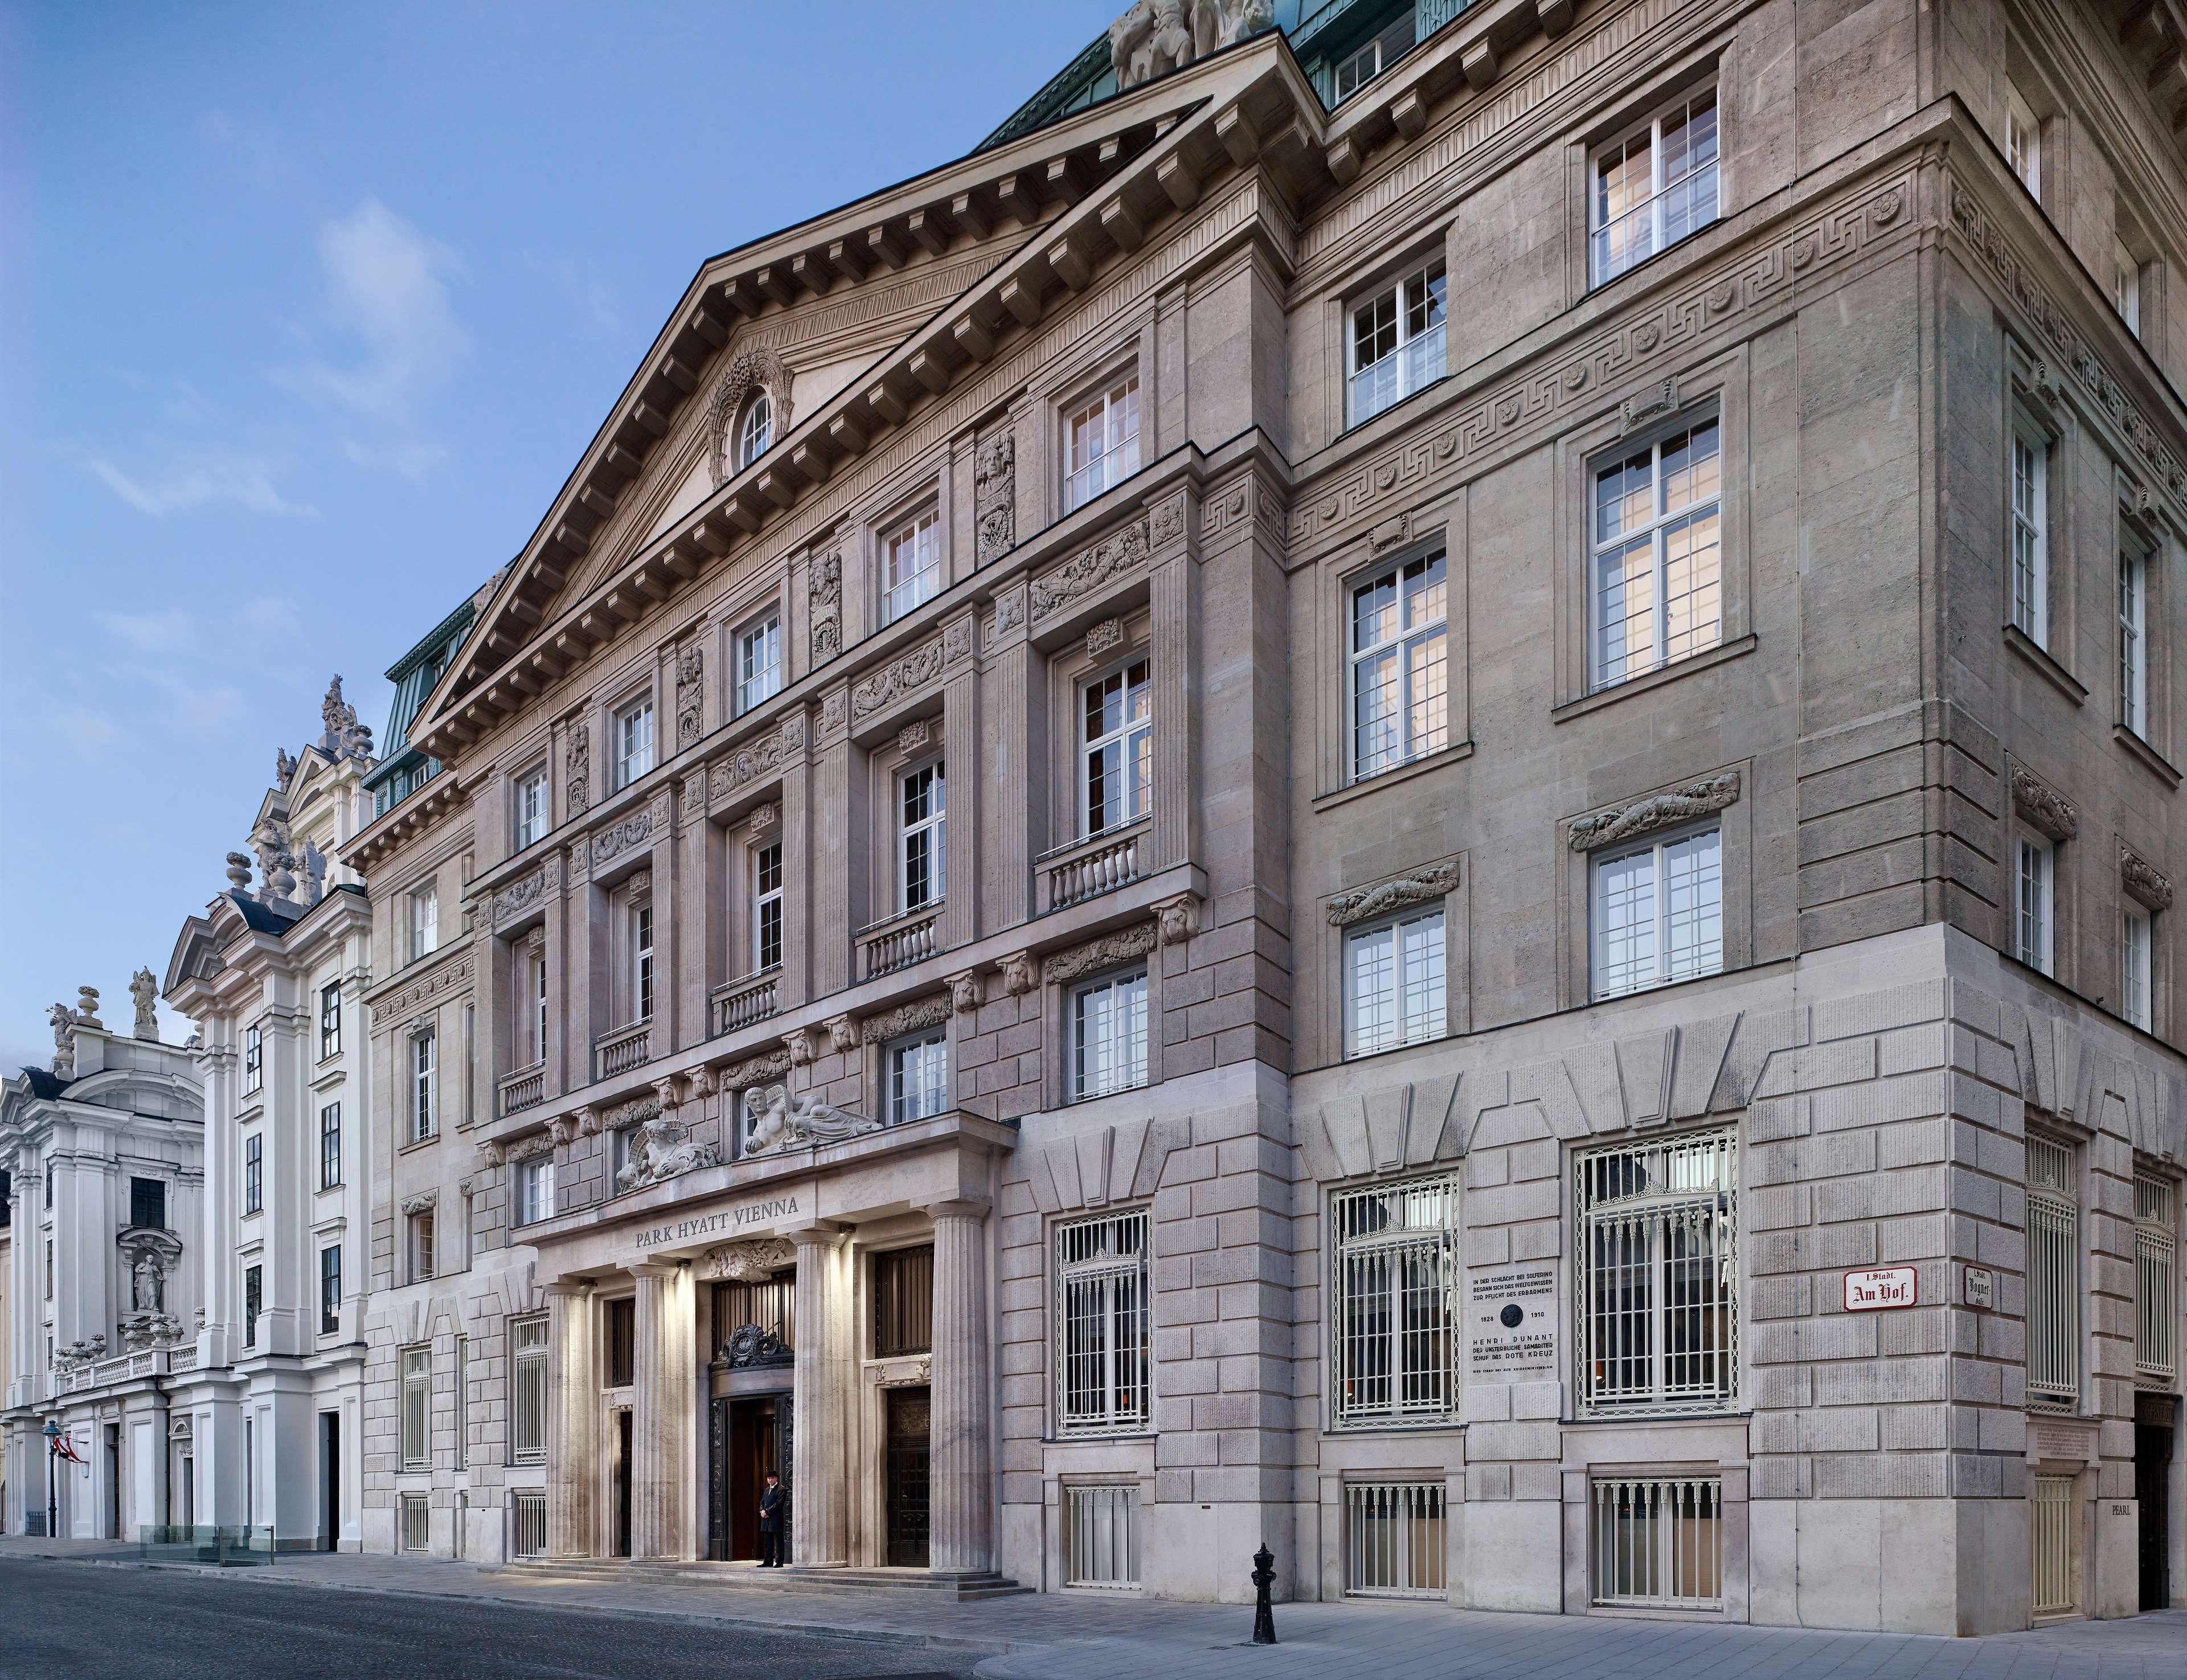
(773, 1506)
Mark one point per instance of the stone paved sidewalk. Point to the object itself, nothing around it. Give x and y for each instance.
(1122, 1637)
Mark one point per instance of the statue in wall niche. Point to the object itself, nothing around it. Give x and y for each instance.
(147, 1283)
(145, 991)
(780, 1122)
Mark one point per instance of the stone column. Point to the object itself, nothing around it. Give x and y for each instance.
(961, 1491)
(572, 1405)
(819, 1480)
(660, 1414)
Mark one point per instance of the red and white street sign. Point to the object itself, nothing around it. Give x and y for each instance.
(1881, 1287)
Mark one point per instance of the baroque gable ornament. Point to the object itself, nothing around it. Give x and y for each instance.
(995, 497)
(1121, 947)
(1364, 902)
(1089, 570)
(1652, 814)
(756, 368)
(2045, 807)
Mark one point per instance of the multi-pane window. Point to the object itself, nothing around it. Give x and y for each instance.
(2156, 1276)
(2035, 899)
(2126, 286)
(148, 1203)
(254, 1172)
(756, 430)
(1657, 912)
(2031, 546)
(527, 1381)
(1354, 69)
(1656, 1542)
(641, 962)
(919, 1077)
(417, 1409)
(1400, 680)
(462, 1397)
(2133, 965)
(766, 908)
(922, 839)
(424, 1084)
(2054, 1274)
(422, 1255)
(1103, 1325)
(633, 730)
(1117, 748)
(531, 809)
(1658, 1282)
(330, 1162)
(911, 566)
(330, 1020)
(621, 1341)
(2023, 141)
(1102, 442)
(2133, 638)
(330, 1289)
(535, 1015)
(1109, 1036)
(1396, 345)
(1654, 187)
(1393, 984)
(425, 922)
(904, 1301)
(759, 661)
(1393, 1304)
(254, 1060)
(1658, 558)
(535, 1190)
(254, 1302)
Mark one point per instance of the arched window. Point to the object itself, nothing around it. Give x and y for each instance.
(756, 430)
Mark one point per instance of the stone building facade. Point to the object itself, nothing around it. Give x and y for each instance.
(1115, 890)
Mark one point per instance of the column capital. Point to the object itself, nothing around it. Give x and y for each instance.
(820, 1235)
(972, 1208)
(571, 1288)
(661, 1270)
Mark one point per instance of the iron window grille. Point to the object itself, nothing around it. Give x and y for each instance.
(531, 1525)
(1396, 345)
(1100, 1535)
(1658, 555)
(1109, 1036)
(1117, 749)
(922, 850)
(2156, 1277)
(769, 1306)
(918, 1078)
(1102, 440)
(527, 1383)
(759, 662)
(2054, 1274)
(2031, 526)
(2054, 1544)
(766, 908)
(1395, 1540)
(1393, 1294)
(1400, 674)
(621, 1341)
(1654, 187)
(417, 1523)
(1658, 1277)
(330, 1171)
(1657, 912)
(1657, 1543)
(913, 566)
(330, 1020)
(254, 1060)
(904, 1301)
(2033, 917)
(417, 1409)
(1394, 983)
(1103, 1325)
(330, 1289)
(254, 1173)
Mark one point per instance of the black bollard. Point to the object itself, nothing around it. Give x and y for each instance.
(1264, 1613)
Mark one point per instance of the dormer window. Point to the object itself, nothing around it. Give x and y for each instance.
(756, 430)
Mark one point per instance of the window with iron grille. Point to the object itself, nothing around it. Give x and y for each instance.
(1395, 1544)
(2054, 1548)
(1657, 1543)
(1653, 187)
(1100, 1535)
(329, 1019)
(530, 1513)
(1393, 1306)
(147, 1204)
(1658, 1283)
(904, 1301)
(417, 1409)
(771, 1305)
(1104, 1325)
(2054, 1274)
(417, 1523)
(254, 1060)
(2156, 1276)
(330, 1289)
(621, 1342)
(527, 1389)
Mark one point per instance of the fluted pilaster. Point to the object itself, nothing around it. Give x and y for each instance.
(961, 1491)
(662, 1414)
(819, 1511)
(571, 1407)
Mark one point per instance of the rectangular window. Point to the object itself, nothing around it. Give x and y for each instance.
(1396, 345)
(416, 1409)
(1117, 748)
(2031, 558)
(147, 1204)
(330, 1289)
(536, 1016)
(531, 809)
(922, 841)
(2156, 1276)
(1109, 1036)
(633, 727)
(2031, 924)
(903, 1302)
(531, 1523)
(1393, 985)
(422, 1257)
(1658, 556)
(535, 1190)
(254, 1172)
(1393, 1319)
(424, 1072)
(1657, 1543)
(417, 1522)
(1354, 69)
(1100, 1535)
(641, 962)
(527, 1366)
(1658, 914)
(2054, 1274)
(1400, 682)
(330, 1163)
(766, 908)
(1103, 1325)
(254, 1060)
(2023, 141)
(1653, 187)
(462, 1404)
(1102, 440)
(911, 566)
(330, 1020)
(2126, 286)
(1658, 1277)
(2134, 640)
(918, 1078)
(759, 662)
(425, 922)
(254, 1302)
(621, 1341)
(2133, 965)
(1394, 1540)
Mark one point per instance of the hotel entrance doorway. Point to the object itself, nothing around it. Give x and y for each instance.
(746, 1438)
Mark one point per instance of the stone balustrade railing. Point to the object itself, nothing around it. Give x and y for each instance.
(623, 1050)
(901, 940)
(525, 1089)
(742, 1001)
(1087, 868)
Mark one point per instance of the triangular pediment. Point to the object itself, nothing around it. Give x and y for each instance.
(196, 954)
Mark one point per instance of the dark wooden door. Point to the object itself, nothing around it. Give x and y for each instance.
(2152, 1474)
(909, 1423)
(754, 1450)
(622, 1541)
(329, 1480)
(717, 1478)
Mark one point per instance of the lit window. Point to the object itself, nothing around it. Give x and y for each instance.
(2126, 286)
(329, 1019)
(756, 431)
(527, 1359)
(1109, 1036)
(1400, 682)
(535, 1190)
(633, 743)
(1356, 68)
(1393, 1286)
(759, 662)
(2156, 1276)
(330, 1167)
(1104, 444)
(417, 1410)
(641, 962)
(918, 1078)
(1117, 748)
(766, 908)
(423, 1070)
(330, 1289)
(2134, 640)
(2032, 925)
(531, 809)
(1396, 346)
(425, 922)
(1393, 985)
(254, 1302)
(2054, 1274)
(913, 562)
(254, 1060)
(1657, 558)
(1103, 1325)
(1658, 914)
(2133, 965)
(2031, 557)
(1654, 187)
(254, 1173)
(923, 839)
(2023, 141)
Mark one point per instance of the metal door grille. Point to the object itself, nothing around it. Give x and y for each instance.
(1393, 1264)
(1394, 1544)
(1102, 1329)
(1100, 1536)
(2155, 1278)
(2053, 1295)
(531, 1525)
(2051, 1526)
(417, 1523)
(1658, 1543)
(1659, 1277)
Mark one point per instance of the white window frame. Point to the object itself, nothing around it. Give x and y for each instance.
(641, 962)
(767, 908)
(527, 1390)
(1412, 311)
(634, 741)
(330, 1311)
(424, 1084)
(755, 429)
(2133, 637)
(254, 1301)
(421, 1235)
(1662, 532)
(1697, 852)
(531, 815)
(1122, 754)
(2023, 141)
(534, 983)
(1393, 1249)
(254, 1173)
(1101, 442)
(2035, 902)
(1353, 71)
(1604, 264)
(330, 1024)
(2053, 1273)
(922, 841)
(911, 565)
(1109, 1047)
(416, 1418)
(759, 660)
(424, 920)
(1395, 983)
(254, 1060)
(918, 1077)
(2157, 1277)
(1415, 652)
(2029, 561)
(2126, 286)
(1104, 1303)
(2135, 941)
(330, 1147)
(1639, 1211)
(535, 1190)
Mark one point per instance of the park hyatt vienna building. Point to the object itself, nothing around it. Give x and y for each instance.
(1408, 785)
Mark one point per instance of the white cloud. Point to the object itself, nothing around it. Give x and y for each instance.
(154, 632)
(186, 478)
(202, 711)
(272, 616)
(390, 288)
(408, 457)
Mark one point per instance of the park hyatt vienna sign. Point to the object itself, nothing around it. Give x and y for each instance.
(761, 1213)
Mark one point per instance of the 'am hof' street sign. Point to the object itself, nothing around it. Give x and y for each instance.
(1881, 1287)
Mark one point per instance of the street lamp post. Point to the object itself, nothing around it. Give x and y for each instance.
(53, 1433)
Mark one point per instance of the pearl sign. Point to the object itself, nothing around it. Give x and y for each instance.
(1881, 1287)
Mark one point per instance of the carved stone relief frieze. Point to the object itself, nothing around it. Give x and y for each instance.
(913, 1017)
(1105, 637)
(755, 367)
(749, 1262)
(764, 757)
(577, 767)
(1656, 812)
(763, 818)
(1089, 570)
(753, 1070)
(781, 1122)
(914, 737)
(424, 1202)
(632, 831)
(690, 691)
(995, 497)
(825, 591)
(1367, 902)
(900, 676)
(512, 901)
(1121, 947)
(2143, 881)
(1166, 520)
(2044, 806)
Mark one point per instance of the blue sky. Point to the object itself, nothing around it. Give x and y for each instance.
(305, 313)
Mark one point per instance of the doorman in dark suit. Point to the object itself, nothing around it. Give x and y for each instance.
(774, 1508)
